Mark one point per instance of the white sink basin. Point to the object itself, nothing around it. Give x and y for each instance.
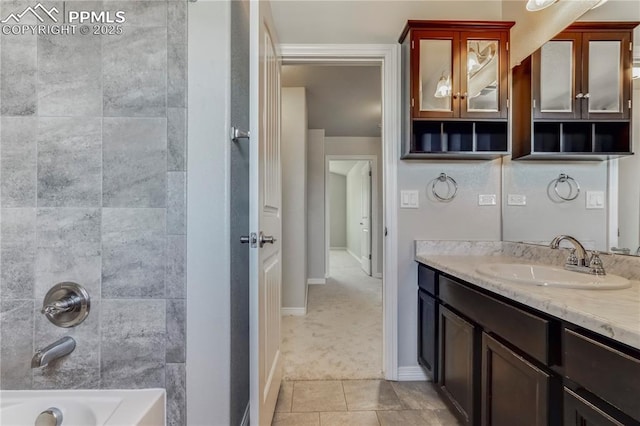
(551, 276)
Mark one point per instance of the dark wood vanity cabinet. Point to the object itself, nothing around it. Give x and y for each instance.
(572, 97)
(514, 391)
(499, 363)
(455, 89)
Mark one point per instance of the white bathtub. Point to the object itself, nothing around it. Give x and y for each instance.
(144, 407)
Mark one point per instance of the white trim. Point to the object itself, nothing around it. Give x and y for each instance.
(313, 281)
(375, 220)
(293, 312)
(377, 275)
(412, 374)
(338, 248)
(245, 417)
(354, 256)
(613, 189)
(388, 55)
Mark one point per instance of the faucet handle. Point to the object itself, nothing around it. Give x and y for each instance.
(572, 259)
(596, 267)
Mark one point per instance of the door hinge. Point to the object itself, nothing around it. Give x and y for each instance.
(629, 103)
(507, 46)
(369, 173)
(412, 104)
(507, 103)
(369, 257)
(534, 104)
(412, 45)
(630, 46)
(386, 231)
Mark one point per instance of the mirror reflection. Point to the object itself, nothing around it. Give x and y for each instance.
(482, 75)
(605, 216)
(556, 68)
(604, 76)
(435, 75)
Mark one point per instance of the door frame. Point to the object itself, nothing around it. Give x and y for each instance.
(375, 220)
(388, 57)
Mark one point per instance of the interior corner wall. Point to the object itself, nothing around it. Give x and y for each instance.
(338, 211)
(294, 196)
(315, 205)
(338, 145)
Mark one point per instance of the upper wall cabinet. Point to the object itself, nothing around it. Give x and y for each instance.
(572, 97)
(580, 74)
(455, 88)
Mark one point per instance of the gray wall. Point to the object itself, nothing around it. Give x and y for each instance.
(461, 219)
(338, 211)
(294, 197)
(315, 205)
(92, 189)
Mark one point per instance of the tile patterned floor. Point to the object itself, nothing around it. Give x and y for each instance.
(341, 335)
(360, 403)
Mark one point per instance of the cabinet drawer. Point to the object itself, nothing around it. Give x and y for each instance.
(427, 279)
(528, 332)
(608, 373)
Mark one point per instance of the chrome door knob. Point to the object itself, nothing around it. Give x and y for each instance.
(266, 239)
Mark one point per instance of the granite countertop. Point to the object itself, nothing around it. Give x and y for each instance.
(611, 313)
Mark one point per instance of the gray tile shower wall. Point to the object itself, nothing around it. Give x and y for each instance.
(93, 190)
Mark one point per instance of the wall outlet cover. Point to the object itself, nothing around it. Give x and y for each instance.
(409, 199)
(487, 200)
(516, 200)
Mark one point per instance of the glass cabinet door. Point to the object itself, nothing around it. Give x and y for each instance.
(605, 75)
(557, 69)
(482, 72)
(435, 82)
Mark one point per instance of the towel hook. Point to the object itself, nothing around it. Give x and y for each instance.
(449, 181)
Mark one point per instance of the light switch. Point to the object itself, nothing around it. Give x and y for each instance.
(487, 200)
(595, 200)
(409, 200)
(516, 200)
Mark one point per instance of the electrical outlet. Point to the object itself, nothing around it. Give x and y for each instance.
(595, 200)
(516, 200)
(409, 199)
(487, 200)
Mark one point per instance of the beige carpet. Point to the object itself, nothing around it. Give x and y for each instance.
(341, 335)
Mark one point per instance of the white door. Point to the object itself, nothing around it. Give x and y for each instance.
(365, 221)
(265, 215)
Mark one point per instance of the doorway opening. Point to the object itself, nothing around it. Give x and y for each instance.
(338, 333)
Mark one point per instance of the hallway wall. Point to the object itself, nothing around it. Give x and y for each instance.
(354, 210)
(92, 190)
(338, 211)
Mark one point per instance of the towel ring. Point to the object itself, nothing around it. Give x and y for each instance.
(564, 178)
(448, 180)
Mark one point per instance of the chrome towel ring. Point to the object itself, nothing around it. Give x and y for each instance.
(449, 182)
(574, 186)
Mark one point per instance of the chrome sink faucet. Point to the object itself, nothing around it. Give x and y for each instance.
(580, 260)
(56, 350)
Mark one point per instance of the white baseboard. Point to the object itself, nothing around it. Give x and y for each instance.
(378, 275)
(337, 248)
(316, 281)
(412, 374)
(293, 311)
(245, 418)
(357, 258)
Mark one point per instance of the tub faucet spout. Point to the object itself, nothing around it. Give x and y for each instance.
(56, 350)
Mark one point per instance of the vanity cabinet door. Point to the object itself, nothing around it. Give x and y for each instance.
(580, 412)
(427, 337)
(457, 368)
(514, 391)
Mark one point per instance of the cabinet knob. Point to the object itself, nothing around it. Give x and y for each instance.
(586, 96)
(456, 96)
(579, 96)
(464, 95)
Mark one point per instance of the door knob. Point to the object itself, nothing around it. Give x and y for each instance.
(266, 239)
(249, 239)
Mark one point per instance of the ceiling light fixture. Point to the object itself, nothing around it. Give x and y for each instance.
(535, 5)
(443, 88)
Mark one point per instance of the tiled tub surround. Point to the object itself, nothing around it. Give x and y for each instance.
(92, 190)
(612, 313)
